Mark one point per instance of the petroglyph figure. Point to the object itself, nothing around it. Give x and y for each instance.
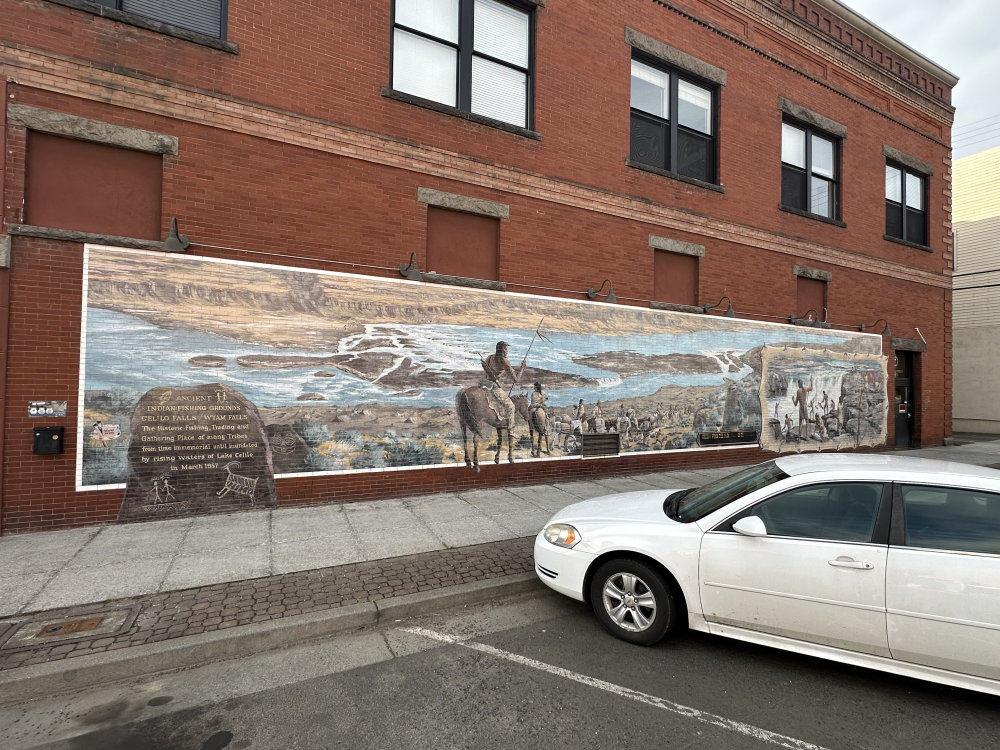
(237, 484)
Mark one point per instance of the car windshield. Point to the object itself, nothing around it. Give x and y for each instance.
(701, 501)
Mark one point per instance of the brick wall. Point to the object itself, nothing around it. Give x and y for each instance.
(289, 147)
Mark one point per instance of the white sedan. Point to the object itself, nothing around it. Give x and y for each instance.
(879, 561)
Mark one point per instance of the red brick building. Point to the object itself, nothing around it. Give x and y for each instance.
(785, 154)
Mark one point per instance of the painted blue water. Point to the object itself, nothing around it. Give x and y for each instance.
(123, 351)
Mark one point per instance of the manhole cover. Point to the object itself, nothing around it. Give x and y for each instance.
(69, 628)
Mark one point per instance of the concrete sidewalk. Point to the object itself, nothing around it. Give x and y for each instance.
(174, 593)
(61, 569)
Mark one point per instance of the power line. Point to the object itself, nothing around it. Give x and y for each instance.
(972, 134)
(978, 286)
(975, 273)
(973, 143)
(976, 122)
(975, 136)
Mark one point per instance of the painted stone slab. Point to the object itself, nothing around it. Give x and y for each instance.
(196, 449)
(820, 399)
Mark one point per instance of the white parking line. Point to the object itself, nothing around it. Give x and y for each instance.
(738, 727)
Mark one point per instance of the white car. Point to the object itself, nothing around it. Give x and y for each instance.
(879, 561)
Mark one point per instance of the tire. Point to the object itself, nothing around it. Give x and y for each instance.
(632, 601)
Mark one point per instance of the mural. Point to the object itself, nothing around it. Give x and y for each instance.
(822, 399)
(349, 373)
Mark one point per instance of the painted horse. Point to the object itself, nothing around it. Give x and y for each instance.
(538, 423)
(473, 411)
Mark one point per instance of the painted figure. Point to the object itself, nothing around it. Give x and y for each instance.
(496, 366)
(799, 399)
(538, 421)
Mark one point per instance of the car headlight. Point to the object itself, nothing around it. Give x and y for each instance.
(562, 535)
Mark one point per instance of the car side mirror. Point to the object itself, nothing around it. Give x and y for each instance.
(750, 526)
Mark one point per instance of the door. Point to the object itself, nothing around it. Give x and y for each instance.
(816, 576)
(942, 579)
(905, 399)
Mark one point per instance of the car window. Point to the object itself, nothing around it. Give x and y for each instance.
(951, 519)
(835, 511)
(701, 501)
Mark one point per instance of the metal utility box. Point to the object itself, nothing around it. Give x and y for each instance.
(48, 440)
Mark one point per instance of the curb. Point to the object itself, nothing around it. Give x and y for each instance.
(42, 680)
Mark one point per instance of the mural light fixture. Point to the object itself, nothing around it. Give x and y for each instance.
(175, 242)
(610, 297)
(410, 270)
(729, 313)
(885, 331)
(811, 318)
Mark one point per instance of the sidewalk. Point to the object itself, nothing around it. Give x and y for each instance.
(86, 592)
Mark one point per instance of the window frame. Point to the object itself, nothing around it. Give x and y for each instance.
(900, 528)
(111, 9)
(808, 172)
(676, 74)
(904, 209)
(465, 52)
(880, 520)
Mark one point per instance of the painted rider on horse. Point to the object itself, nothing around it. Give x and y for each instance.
(496, 365)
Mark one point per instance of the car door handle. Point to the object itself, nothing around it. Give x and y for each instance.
(847, 562)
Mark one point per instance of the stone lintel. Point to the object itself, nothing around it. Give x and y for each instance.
(463, 203)
(908, 345)
(673, 56)
(806, 272)
(809, 117)
(85, 129)
(676, 246)
(917, 165)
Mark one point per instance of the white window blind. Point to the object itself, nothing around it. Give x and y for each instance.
(499, 92)
(501, 32)
(649, 90)
(195, 15)
(424, 68)
(438, 18)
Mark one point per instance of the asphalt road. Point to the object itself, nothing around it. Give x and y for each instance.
(515, 674)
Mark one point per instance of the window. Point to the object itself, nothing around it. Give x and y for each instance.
(672, 122)
(699, 502)
(92, 187)
(952, 519)
(809, 177)
(905, 216)
(675, 278)
(463, 244)
(842, 512)
(205, 17)
(474, 55)
(810, 295)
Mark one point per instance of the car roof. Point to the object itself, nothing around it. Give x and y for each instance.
(807, 463)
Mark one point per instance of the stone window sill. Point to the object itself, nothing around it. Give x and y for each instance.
(815, 217)
(445, 109)
(675, 176)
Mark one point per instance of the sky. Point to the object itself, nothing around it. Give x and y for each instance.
(963, 37)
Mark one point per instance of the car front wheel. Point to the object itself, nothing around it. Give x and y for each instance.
(632, 601)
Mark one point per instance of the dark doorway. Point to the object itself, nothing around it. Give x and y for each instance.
(904, 403)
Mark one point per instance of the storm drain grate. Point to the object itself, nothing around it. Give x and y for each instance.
(35, 633)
